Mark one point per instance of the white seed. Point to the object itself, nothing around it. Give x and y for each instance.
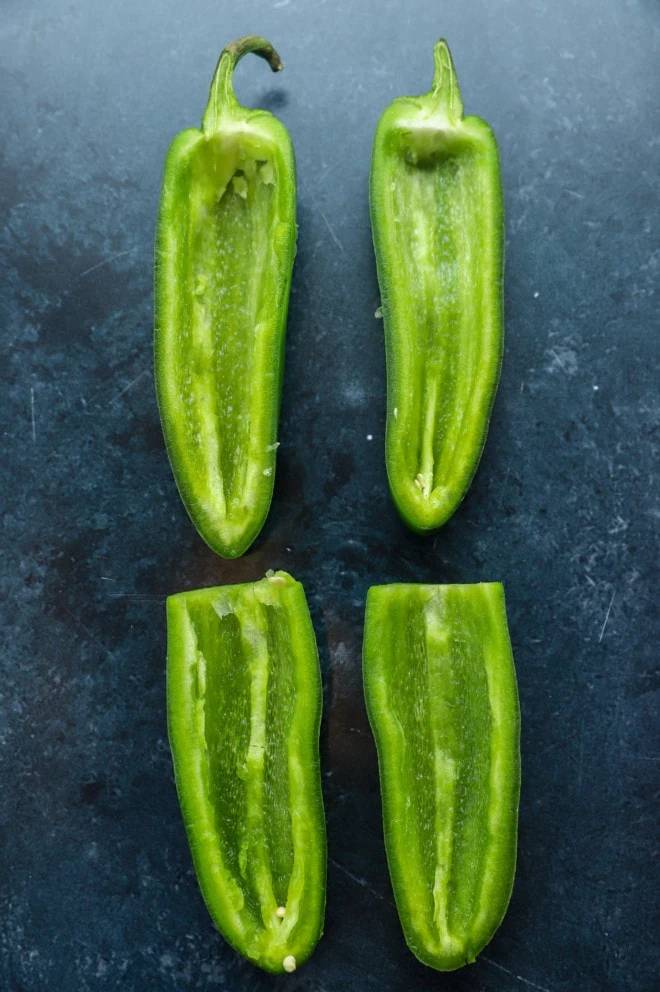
(281, 912)
(289, 963)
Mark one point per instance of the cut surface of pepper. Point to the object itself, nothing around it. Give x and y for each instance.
(442, 699)
(244, 707)
(225, 244)
(437, 222)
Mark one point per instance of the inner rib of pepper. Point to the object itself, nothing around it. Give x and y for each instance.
(231, 308)
(443, 228)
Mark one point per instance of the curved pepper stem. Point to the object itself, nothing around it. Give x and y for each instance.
(222, 99)
(445, 94)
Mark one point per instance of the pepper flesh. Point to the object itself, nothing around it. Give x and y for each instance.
(224, 256)
(442, 699)
(244, 707)
(437, 221)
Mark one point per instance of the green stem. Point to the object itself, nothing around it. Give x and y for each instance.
(445, 93)
(222, 99)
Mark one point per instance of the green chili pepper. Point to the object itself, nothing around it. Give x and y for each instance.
(441, 695)
(244, 706)
(224, 255)
(437, 219)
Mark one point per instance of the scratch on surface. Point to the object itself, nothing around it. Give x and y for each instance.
(580, 764)
(520, 978)
(359, 881)
(331, 231)
(134, 382)
(138, 597)
(607, 617)
(574, 192)
(504, 484)
(554, 354)
(19, 240)
(107, 261)
(327, 223)
(34, 423)
(86, 629)
(560, 742)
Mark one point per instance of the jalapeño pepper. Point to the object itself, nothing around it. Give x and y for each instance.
(244, 706)
(224, 256)
(437, 220)
(442, 700)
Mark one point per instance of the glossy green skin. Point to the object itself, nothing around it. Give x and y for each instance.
(244, 709)
(225, 245)
(437, 221)
(442, 699)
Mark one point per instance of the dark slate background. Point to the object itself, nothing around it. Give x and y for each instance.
(96, 886)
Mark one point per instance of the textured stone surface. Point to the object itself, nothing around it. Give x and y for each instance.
(96, 886)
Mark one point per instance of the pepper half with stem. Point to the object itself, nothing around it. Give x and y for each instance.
(437, 220)
(225, 245)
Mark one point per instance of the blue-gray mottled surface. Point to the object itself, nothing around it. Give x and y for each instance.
(97, 889)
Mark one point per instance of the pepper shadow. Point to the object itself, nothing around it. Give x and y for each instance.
(315, 604)
(273, 99)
